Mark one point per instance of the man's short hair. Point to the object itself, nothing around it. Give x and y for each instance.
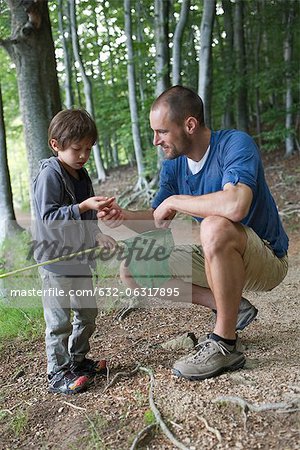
(72, 125)
(182, 102)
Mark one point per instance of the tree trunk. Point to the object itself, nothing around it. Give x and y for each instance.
(161, 26)
(161, 9)
(257, 70)
(241, 67)
(177, 41)
(205, 57)
(87, 85)
(132, 98)
(31, 49)
(8, 223)
(67, 60)
(287, 54)
(228, 64)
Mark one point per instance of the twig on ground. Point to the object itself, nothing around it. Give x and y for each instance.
(120, 375)
(246, 406)
(157, 414)
(211, 429)
(141, 435)
(9, 410)
(74, 406)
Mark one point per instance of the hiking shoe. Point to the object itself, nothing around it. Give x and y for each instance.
(66, 382)
(89, 367)
(211, 359)
(247, 313)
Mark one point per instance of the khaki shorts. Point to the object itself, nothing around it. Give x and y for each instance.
(264, 270)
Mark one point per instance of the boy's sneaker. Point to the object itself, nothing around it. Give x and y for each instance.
(89, 368)
(247, 313)
(211, 359)
(66, 382)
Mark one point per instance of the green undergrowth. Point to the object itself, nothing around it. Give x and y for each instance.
(21, 314)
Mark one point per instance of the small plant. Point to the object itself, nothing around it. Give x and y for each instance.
(19, 422)
(149, 417)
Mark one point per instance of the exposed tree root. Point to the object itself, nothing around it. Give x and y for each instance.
(157, 414)
(246, 406)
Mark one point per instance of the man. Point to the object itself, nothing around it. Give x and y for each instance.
(216, 177)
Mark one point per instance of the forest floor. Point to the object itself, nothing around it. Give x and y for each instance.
(30, 417)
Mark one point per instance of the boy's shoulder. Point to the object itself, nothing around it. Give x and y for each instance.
(49, 169)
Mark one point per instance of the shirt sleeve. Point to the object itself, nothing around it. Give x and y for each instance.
(167, 184)
(241, 160)
(49, 200)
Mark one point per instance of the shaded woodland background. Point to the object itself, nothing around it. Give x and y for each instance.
(114, 57)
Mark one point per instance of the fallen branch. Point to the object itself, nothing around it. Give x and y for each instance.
(246, 406)
(141, 435)
(157, 414)
(120, 375)
(211, 429)
(74, 406)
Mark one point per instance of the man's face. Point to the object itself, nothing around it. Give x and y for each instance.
(170, 136)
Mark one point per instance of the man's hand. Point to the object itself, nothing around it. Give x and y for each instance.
(97, 203)
(163, 214)
(103, 240)
(112, 215)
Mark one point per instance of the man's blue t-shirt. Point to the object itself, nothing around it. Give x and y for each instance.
(233, 158)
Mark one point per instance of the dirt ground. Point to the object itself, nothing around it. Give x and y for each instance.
(30, 417)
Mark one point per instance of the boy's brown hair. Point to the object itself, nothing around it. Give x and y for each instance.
(72, 125)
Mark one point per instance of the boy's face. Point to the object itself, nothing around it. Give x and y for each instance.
(75, 155)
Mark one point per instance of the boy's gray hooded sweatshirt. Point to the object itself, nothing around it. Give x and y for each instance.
(59, 229)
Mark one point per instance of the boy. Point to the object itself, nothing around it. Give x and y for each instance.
(66, 222)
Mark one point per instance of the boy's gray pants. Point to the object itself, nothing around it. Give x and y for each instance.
(67, 339)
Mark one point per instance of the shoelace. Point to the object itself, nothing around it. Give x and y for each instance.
(210, 343)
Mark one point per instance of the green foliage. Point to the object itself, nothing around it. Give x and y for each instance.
(149, 417)
(20, 316)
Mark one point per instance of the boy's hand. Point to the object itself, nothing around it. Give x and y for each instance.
(97, 203)
(103, 240)
(112, 215)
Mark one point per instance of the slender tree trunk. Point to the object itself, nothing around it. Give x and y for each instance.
(161, 27)
(177, 41)
(31, 49)
(205, 57)
(67, 60)
(228, 65)
(87, 85)
(112, 138)
(287, 54)
(161, 9)
(257, 71)
(132, 98)
(241, 66)
(8, 223)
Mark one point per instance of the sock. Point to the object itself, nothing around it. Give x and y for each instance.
(218, 338)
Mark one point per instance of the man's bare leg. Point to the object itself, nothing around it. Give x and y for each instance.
(223, 244)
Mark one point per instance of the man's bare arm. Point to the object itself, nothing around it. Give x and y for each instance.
(233, 202)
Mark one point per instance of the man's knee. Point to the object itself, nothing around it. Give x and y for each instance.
(218, 233)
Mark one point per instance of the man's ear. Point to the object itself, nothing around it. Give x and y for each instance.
(191, 124)
(54, 145)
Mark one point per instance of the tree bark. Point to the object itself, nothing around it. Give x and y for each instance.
(177, 41)
(132, 98)
(241, 67)
(161, 10)
(31, 49)
(67, 60)
(205, 57)
(287, 54)
(87, 85)
(228, 64)
(8, 223)
(161, 26)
